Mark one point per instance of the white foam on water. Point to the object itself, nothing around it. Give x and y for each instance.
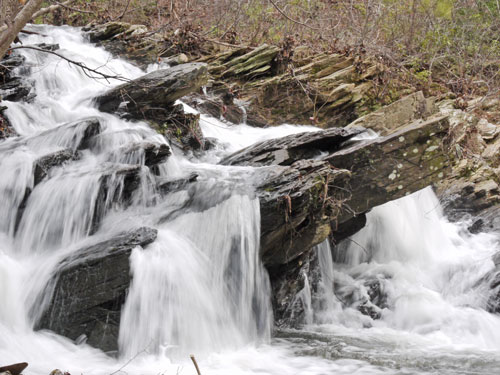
(200, 287)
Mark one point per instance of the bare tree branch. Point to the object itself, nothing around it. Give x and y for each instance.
(51, 9)
(88, 71)
(291, 19)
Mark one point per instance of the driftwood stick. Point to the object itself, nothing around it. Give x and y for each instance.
(195, 364)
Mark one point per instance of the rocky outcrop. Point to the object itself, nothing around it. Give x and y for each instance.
(388, 168)
(253, 63)
(472, 190)
(389, 118)
(133, 42)
(152, 97)
(329, 90)
(289, 149)
(158, 89)
(89, 289)
(297, 204)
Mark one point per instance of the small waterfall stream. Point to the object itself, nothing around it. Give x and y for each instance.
(200, 287)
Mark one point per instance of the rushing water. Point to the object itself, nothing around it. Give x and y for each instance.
(200, 287)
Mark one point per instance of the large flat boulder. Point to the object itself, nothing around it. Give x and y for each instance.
(304, 200)
(390, 167)
(157, 89)
(89, 289)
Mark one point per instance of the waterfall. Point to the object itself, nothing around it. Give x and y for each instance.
(410, 270)
(407, 294)
(201, 286)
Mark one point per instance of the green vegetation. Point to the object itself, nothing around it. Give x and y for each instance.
(453, 44)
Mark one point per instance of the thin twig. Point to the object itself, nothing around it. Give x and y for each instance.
(145, 350)
(88, 71)
(195, 364)
(63, 5)
(124, 11)
(291, 19)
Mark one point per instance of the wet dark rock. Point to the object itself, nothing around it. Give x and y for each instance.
(90, 287)
(41, 168)
(287, 281)
(375, 292)
(180, 128)
(341, 231)
(464, 200)
(158, 89)
(47, 46)
(493, 302)
(47, 162)
(210, 143)
(390, 167)
(176, 185)
(370, 309)
(188, 195)
(15, 89)
(220, 106)
(8, 64)
(6, 129)
(81, 139)
(297, 204)
(153, 153)
(286, 150)
(15, 369)
(12, 87)
(131, 180)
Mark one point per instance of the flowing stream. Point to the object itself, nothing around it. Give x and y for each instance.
(200, 287)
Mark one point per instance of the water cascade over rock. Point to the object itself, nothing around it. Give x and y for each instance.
(127, 244)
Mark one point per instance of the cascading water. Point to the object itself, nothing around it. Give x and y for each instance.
(200, 287)
(412, 279)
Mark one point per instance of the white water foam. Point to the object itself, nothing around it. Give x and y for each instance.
(200, 287)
